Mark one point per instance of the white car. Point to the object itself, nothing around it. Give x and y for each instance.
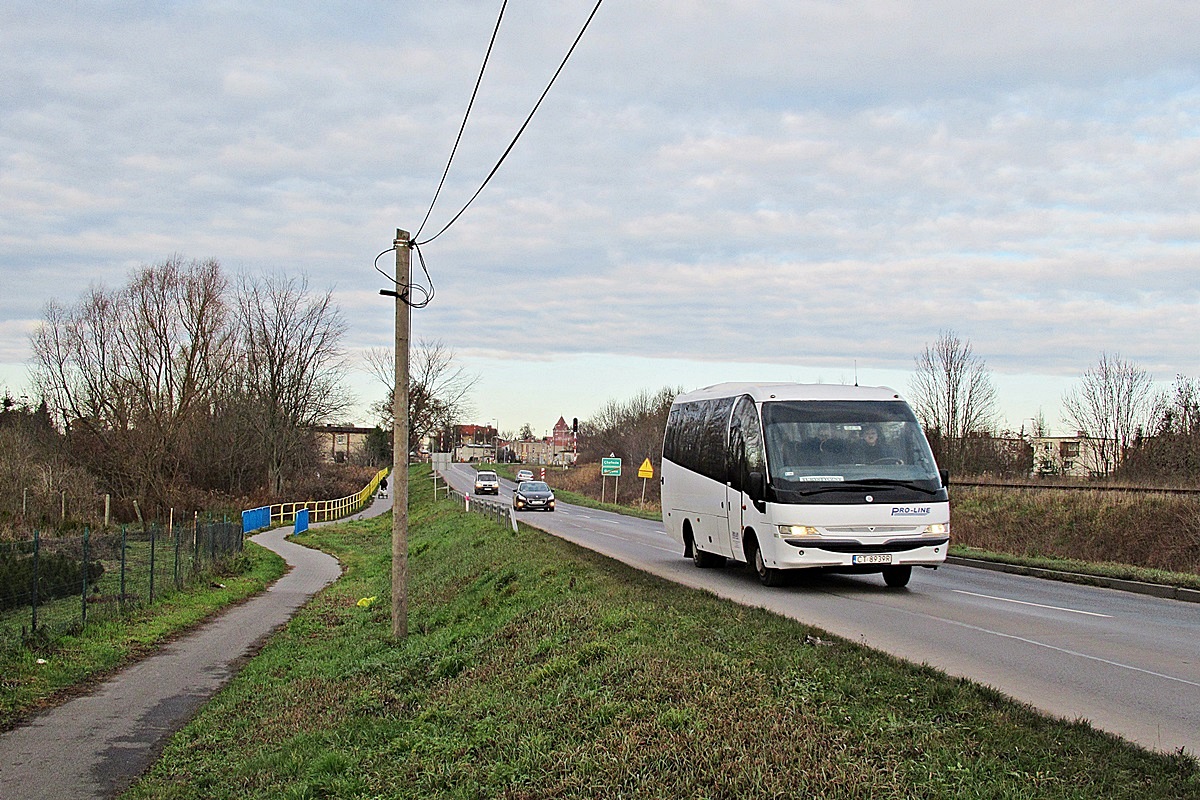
(524, 475)
(487, 482)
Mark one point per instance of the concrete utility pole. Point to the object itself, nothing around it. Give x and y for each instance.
(400, 444)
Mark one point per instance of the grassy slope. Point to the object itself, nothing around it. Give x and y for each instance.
(536, 669)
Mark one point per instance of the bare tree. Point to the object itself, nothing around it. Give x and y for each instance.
(172, 381)
(1039, 427)
(174, 341)
(1177, 413)
(293, 366)
(1170, 452)
(1111, 406)
(953, 396)
(73, 365)
(129, 371)
(633, 428)
(437, 388)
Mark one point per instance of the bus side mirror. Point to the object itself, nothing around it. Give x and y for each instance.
(944, 474)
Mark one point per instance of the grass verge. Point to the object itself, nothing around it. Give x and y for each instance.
(534, 668)
(1074, 566)
(34, 678)
(582, 500)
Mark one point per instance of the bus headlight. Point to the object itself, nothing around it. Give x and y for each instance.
(938, 529)
(798, 530)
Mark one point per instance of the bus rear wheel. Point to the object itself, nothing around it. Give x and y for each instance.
(897, 577)
(703, 559)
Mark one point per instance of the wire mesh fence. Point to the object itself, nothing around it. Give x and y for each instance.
(53, 585)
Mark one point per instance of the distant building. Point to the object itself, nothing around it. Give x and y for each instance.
(1077, 456)
(483, 443)
(558, 448)
(537, 451)
(342, 443)
(562, 436)
(473, 452)
(563, 443)
(475, 434)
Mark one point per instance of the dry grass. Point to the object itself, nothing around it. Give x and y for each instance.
(1155, 531)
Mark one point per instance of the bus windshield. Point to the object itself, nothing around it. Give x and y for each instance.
(815, 443)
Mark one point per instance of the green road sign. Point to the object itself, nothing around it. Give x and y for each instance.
(610, 466)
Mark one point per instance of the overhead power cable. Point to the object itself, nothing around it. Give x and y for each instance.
(524, 125)
(463, 127)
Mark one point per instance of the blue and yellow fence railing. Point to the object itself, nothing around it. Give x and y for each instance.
(318, 510)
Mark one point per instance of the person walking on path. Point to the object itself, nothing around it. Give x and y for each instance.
(95, 746)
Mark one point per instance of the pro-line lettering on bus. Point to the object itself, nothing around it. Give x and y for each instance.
(789, 476)
(907, 511)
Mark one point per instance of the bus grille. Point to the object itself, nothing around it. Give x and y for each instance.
(890, 546)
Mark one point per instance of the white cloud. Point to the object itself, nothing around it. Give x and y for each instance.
(798, 184)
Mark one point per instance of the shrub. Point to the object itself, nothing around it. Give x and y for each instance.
(58, 575)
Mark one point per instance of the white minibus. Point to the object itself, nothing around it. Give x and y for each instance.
(787, 476)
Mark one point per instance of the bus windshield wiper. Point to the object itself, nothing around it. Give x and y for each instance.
(892, 482)
(848, 486)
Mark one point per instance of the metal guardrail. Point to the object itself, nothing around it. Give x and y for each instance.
(503, 513)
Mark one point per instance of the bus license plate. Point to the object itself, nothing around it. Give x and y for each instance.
(873, 558)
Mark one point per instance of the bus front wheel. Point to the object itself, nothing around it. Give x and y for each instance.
(897, 577)
(766, 575)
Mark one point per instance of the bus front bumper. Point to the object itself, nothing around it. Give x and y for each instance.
(813, 552)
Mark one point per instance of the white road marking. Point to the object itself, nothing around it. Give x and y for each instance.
(1036, 643)
(609, 535)
(623, 539)
(1037, 605)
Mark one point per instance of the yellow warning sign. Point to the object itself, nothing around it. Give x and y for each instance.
(646, 470)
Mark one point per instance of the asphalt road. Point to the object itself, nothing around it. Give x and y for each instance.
(1128, 664)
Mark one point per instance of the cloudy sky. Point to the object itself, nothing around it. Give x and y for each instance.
(735, 189)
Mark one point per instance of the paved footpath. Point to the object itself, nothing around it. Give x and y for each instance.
(95, 746)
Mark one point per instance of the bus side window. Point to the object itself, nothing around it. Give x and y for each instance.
(715, 459)
(745, 444)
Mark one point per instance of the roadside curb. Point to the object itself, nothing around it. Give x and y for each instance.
(1137, 587)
